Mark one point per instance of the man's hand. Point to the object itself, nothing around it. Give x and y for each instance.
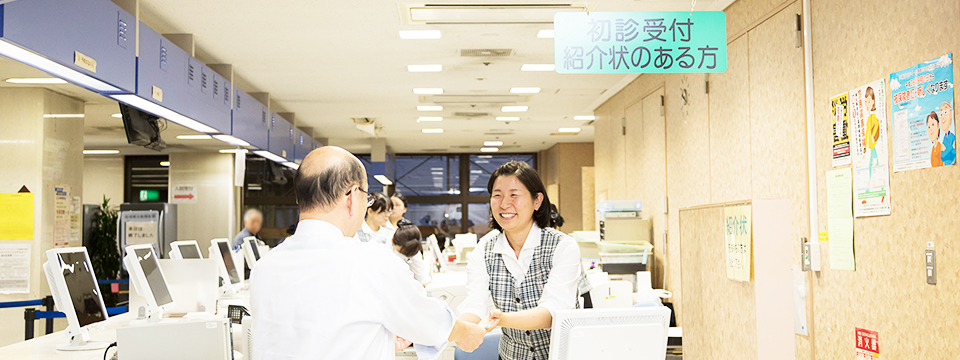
(492, 320)
(402, 343)
(468, 336)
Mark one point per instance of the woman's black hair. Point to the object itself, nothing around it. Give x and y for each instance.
(407, 238)
(399, 196)
(556, 221)
(380, 203)
(530, 180)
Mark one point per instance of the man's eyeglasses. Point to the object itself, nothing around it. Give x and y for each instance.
(370, 197)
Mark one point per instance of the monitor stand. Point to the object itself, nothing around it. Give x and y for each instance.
(79, 342)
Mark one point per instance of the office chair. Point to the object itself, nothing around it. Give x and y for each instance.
(489, 350)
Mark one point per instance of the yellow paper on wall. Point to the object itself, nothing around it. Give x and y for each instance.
(824, 236)
(16, 216)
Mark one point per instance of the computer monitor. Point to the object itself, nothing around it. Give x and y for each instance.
(624, 333)
(220, 249)
(251, 250)
(73, 283)
(148, 280)
(185, 249)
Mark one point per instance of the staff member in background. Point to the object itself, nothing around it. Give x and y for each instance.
(407, 244)
(252, 222)
(399, 209)
(309, 300)
(378, 213)
(530, 270)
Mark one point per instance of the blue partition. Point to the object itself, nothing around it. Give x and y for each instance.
(281, 137)
(250, 120)
(163, 68)
(67, 32)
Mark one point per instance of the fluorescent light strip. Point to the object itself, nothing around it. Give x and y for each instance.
(493, 143)
(163, 112)
(537, 67)
(525, 90)
(232, 151)
(419, 34)
(424, 68)
(100, 152)
(429, 118)
(36, 81)
(508, 118)
(291, 165)
(231, 140)
(383, 179)
(28, 57)
(569, 130)
(194, 137)
(117, 115)
(432, 131)
(545, 34)
(513, 108)
(270, 156)
(63, 116)
(429, 108)
(585, 117)
(164, 163)
(428, 91)
(489, 149)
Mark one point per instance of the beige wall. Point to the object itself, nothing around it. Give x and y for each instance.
(747, 139)
(39, 153)
(561, 172)
(102, 176)
(216, 211)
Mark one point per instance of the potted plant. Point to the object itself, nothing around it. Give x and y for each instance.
(104, 252)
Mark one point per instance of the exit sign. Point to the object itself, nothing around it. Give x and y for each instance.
(149, 195)
(640, 42)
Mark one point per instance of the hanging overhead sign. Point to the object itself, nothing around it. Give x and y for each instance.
(640, 42)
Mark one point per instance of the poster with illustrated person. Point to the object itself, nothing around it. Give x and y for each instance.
(871, 170)
(924, 133)
(841, 129)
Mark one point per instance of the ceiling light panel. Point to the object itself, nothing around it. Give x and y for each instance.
(100, 152)
(430, 118)
(432, 131)
(428, 91)
(508, 118)
(36, 81)
(545, 34)
(489, 149)
(419, 34)
(425, 68)
(493, 143)
(569, 130)
(537, 67)
(429, 108)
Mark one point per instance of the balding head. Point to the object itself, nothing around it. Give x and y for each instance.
(325, 176)
(253, 220)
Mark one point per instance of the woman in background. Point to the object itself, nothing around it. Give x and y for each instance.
(399, 209)
(378, 213)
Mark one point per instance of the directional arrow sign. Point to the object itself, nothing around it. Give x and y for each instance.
(183, 194)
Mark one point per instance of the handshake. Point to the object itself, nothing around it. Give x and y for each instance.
(469, 336)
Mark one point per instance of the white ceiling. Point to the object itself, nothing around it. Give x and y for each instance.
(331, 61)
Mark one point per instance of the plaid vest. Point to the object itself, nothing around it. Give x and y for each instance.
(519, 344)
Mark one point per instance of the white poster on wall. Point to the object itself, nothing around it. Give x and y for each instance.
(61, 216)
(76, 221)
(183, 194)
(141, 232)
(15, 263)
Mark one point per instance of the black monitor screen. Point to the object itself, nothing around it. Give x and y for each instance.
(189, 251)
(228, 261)
(82, 288)
(256, 251)
(151, 270)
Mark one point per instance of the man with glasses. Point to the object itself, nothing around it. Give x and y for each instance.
(311, 299)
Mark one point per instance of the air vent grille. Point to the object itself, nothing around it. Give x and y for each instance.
(498, 133)
(486, 52)
(468, 114)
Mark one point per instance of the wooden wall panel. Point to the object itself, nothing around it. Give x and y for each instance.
(730, 164)
(887, 292)
(589, 219)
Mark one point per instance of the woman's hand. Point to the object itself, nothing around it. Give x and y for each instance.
(492, 320)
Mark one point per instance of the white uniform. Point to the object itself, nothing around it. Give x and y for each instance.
(419, 268)
(312, 299)
(383, 236)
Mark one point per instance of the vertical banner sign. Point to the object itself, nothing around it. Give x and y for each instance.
(924, 133)
(61, 216)
(871, 174)
(841, 130)
(868, 344)
(604, 42)
(738, 233)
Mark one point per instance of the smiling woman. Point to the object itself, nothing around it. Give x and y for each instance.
(529, 270)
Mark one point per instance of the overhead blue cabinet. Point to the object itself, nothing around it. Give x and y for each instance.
(170, 77)
(94, 37)
(250, 120)
(281, 136)
(303, 145)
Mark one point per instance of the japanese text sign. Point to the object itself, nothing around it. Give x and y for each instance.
(868, 344)
(640, 42)
(738, 236)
